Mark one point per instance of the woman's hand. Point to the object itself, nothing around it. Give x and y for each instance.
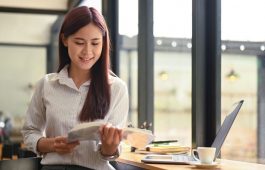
(62, 147)
(110, 139)
(58, 144)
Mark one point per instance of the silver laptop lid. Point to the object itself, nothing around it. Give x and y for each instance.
(224, 129)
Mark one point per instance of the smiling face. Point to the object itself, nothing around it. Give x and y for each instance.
(84, 47)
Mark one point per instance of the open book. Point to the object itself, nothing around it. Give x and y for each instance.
(135, 137)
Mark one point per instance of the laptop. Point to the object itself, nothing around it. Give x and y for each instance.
(217, 143)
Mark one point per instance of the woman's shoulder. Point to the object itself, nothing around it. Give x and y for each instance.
(47, 78)
(117, 83)
(51, 77)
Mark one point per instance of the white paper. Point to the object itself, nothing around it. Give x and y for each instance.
(135, 137)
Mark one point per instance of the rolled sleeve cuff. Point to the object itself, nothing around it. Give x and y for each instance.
(32, 145)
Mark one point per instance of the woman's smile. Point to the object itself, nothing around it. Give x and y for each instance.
(86, 59)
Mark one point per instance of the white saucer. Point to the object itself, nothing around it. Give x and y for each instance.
(202, 165)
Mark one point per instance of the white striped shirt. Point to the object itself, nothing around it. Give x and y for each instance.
(54, 110)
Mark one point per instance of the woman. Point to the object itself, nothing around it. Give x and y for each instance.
(83, 90)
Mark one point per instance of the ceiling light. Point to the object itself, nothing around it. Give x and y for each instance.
(159, 42)
(174, 44)
(242, 47)
(223, 47)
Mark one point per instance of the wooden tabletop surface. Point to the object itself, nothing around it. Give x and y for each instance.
(135, 160)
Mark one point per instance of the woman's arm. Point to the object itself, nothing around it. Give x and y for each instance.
(45, 145)
(58, 144)
(34, 125)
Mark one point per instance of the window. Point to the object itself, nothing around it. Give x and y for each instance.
(172, 65)
(241, 44)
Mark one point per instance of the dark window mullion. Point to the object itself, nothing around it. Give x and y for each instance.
(206, 71)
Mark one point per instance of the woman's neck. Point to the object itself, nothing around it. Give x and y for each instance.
(79, 76)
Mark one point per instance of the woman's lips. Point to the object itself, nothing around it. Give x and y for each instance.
(86, 59)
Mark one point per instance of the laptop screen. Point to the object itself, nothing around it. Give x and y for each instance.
(224, 129)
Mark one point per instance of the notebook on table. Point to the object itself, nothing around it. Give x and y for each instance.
(217, 143)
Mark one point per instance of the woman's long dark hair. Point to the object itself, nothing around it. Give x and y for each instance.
(97, 101)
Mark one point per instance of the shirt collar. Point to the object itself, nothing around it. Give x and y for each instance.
(63, 77)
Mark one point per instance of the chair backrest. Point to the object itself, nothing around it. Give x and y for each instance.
(7, 151)
(24, 153)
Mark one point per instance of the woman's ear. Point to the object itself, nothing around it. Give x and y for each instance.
(64, 40)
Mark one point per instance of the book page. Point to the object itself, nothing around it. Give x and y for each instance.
(138, 138)
(135, 137)
(85, 131)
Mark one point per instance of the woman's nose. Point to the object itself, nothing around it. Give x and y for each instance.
(87, 49)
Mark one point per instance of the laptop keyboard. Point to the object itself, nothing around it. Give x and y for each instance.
(182, 158)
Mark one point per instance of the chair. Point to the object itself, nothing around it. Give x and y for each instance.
(24, 153)
(7, 151)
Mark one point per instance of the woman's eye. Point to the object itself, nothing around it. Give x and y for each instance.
(95, 44)
(79, 43)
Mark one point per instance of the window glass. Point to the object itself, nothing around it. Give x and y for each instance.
(172, 70)
(172, 65)
(24, 39)
(242, 43)
(20, 69)
(128, 30)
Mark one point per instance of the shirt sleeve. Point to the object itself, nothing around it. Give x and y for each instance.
(118, 113)
(33, 127)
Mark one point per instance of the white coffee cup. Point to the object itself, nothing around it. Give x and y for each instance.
(206, 154)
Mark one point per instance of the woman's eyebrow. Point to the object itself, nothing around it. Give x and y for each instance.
(79, 38)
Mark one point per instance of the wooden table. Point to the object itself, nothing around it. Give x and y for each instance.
(134, 159)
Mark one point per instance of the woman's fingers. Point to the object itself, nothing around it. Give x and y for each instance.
(111, 135)
(61, 146)
(60, 139)
(110, 138)
(119, 133)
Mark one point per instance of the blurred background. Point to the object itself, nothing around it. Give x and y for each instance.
(28, 50)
